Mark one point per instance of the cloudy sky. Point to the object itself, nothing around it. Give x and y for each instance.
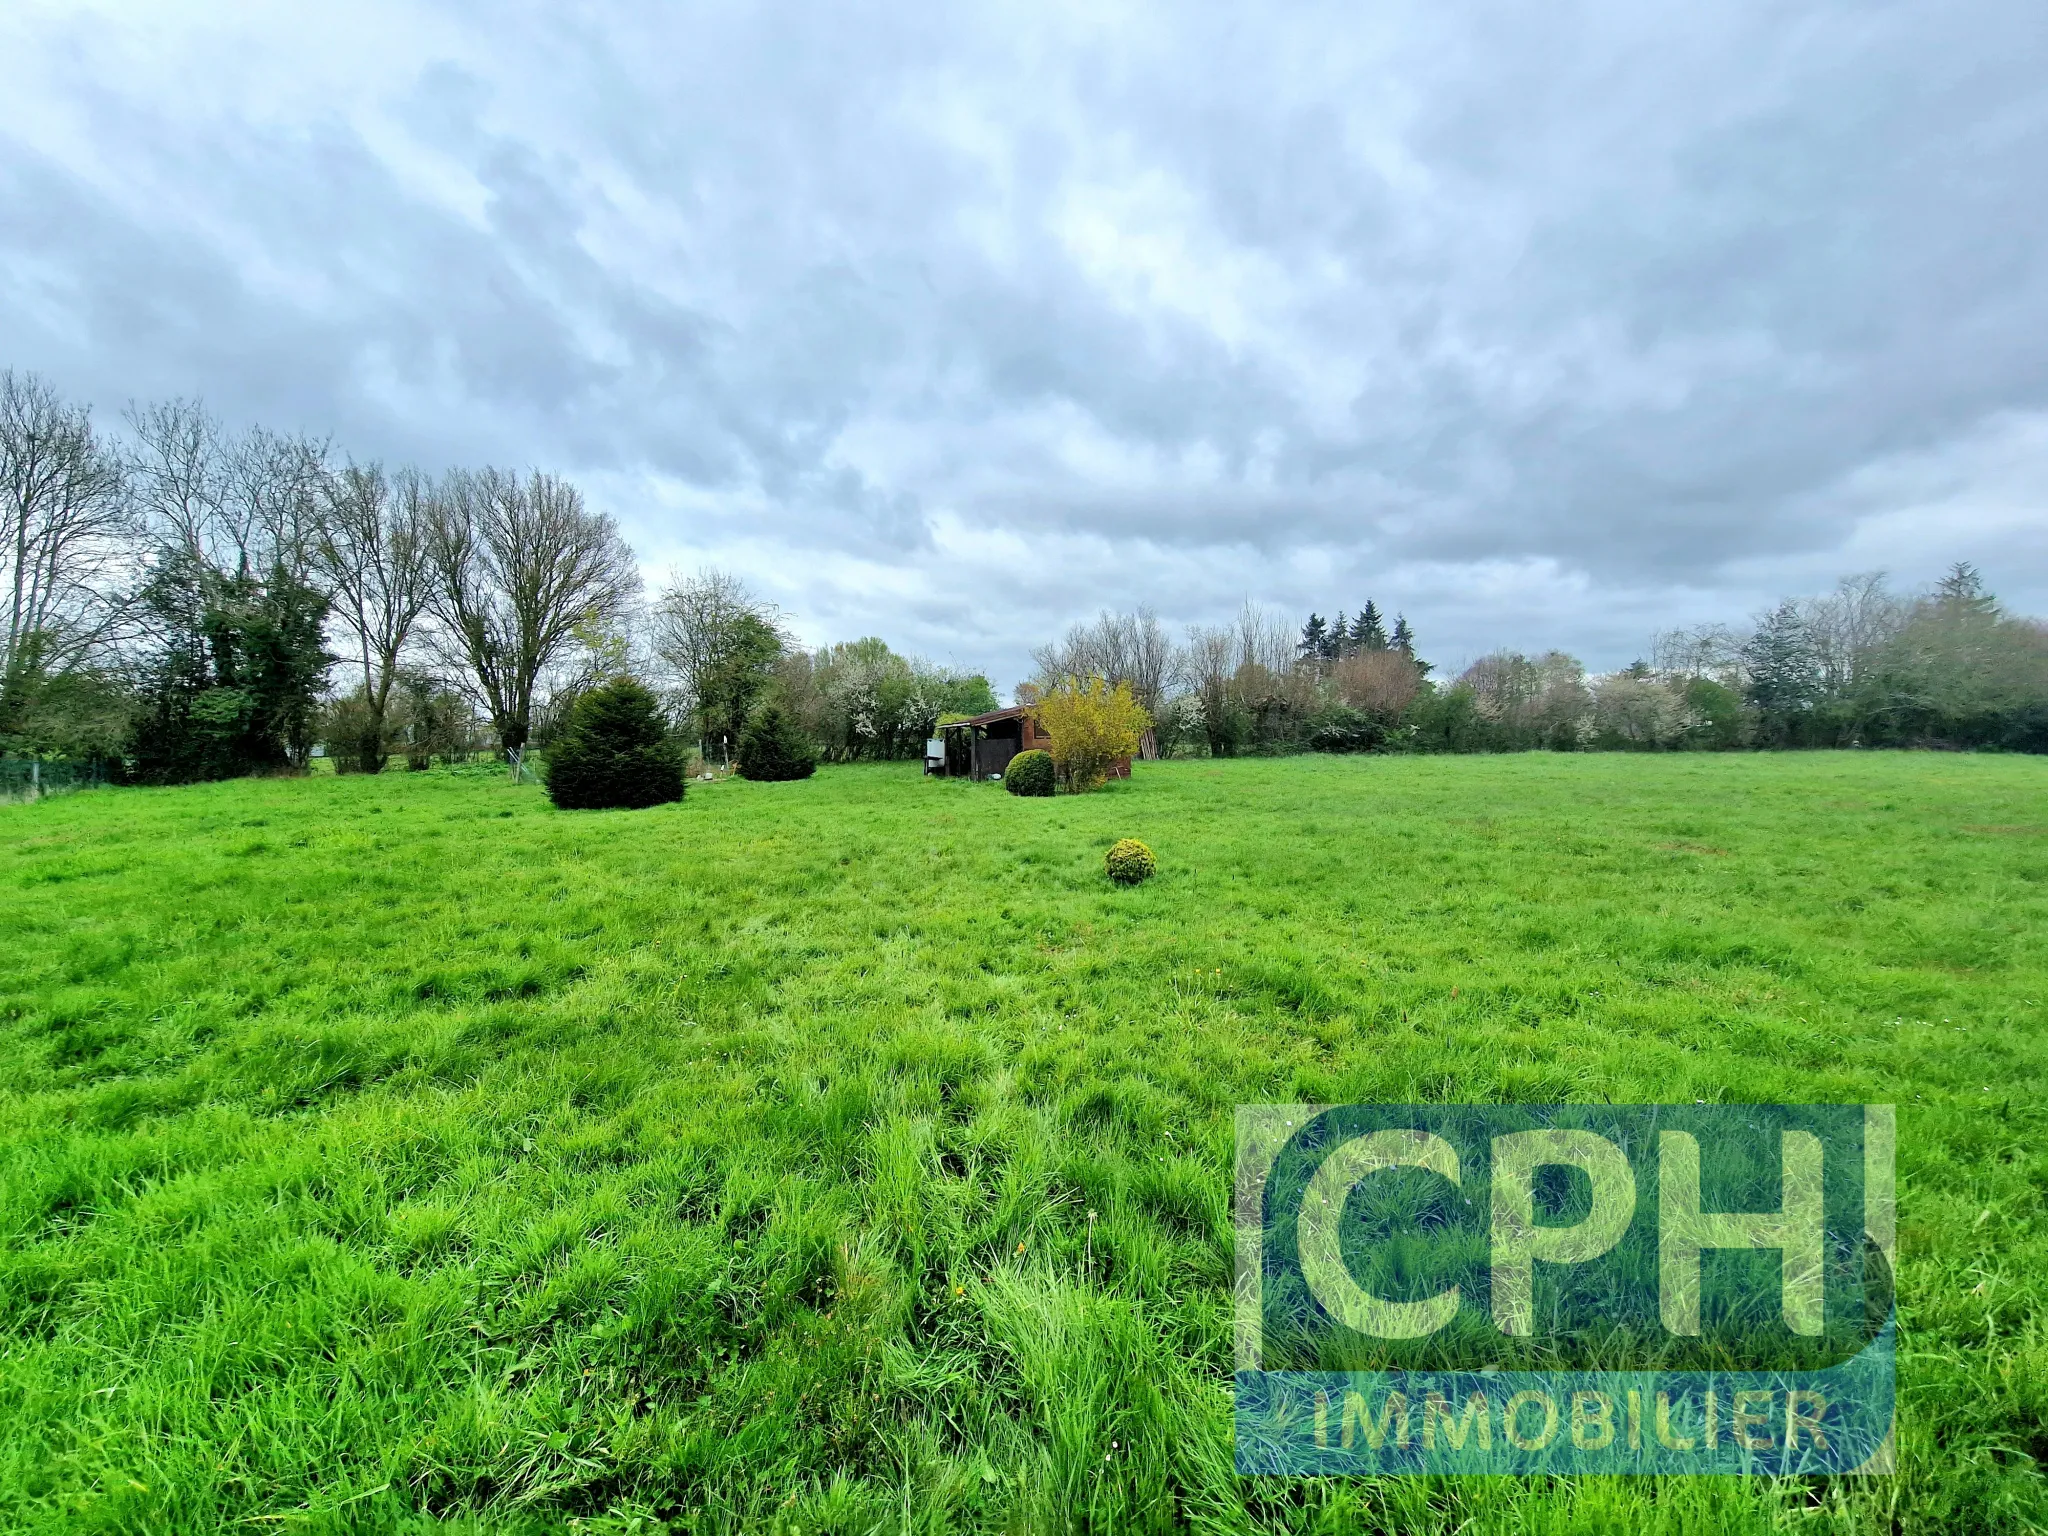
(1545, 325)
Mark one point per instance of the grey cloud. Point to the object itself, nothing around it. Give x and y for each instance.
(1611, 295)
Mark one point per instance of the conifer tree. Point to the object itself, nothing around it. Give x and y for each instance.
(1368, 631)
(772, 748)
(1315, 638)
(1784, 674)
(616, 753)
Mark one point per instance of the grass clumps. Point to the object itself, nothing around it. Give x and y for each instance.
(1029, 773)
(773, 749)
(1130, 862)
(616, 754)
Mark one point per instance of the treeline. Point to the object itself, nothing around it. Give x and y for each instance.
(1864, 666)
(184, 602)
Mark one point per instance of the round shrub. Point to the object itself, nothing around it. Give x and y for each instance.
(1029, 773)
(615, 753)
(1130, 861)
(772, 748)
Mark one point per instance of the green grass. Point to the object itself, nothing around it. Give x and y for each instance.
(382, 1151)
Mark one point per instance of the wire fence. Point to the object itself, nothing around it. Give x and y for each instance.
(31, 778)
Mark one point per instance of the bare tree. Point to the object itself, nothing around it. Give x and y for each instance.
(64, 521)
(247, 505)
(178, 475)
(517, 566)
(276, 494)
(1205, 666)
(369, 547)
(1849, 627)
(1264, 640)
(1129, 648)
(1384, 682)
(721, 644)
(1712, 651)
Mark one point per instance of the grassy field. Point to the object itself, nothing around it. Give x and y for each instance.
(375, 1152)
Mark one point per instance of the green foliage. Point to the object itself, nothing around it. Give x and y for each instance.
(861, 700)
(231, 684)
(353, 735)
(616, 753)
(1129, 862)
(741, 673)
(432, 720)
(1338, 729)
(1784, 677)
(1716, 711)
(772, 748)
(484, 1167)
(1030, 773)
(1446, 720)
(85, 713)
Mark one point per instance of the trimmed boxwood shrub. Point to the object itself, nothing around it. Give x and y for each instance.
(1029, 773)
(1130, 861)
(772, 748)
(615, 753)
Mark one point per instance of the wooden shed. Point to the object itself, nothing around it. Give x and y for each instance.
(982, 747)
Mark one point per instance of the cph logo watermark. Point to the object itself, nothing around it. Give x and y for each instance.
(1522, 1289)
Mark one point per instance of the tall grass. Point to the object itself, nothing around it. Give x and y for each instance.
(376, 1151)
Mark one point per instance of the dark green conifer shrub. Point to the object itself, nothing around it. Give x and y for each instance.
(1029, 773)
(615, 753)
(772, 748)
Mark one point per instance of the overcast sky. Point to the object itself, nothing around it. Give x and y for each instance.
(1543, 324)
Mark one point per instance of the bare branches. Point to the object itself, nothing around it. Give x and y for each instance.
(705, 626)
(369, 548)
(517, 565)
(237, 505)
(1127, 648)
(64, 522)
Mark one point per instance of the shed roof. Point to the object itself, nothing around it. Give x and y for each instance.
(1014, 712)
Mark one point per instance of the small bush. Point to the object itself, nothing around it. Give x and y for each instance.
(772, 748)
(1346, 730)
(615, 753)
(1093, 727)
(1129, 862)
(348, 730)
(1029, 773)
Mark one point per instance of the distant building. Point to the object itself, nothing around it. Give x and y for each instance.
(982, 747)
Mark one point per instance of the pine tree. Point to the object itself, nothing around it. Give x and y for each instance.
(1961, 595)
(1339, 642)
(1784, 674)
(1403, 638)
(1368, 631)
(616, 753)
(773, 749)
(1315, 638)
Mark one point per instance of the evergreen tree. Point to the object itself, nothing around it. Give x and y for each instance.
(1403, 638)
(1368, 631)
(1315, 638)
(772, 748)
(616, 753)
(1960, 595)
(230, 684)
(1784, 675)
(1339, 642)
